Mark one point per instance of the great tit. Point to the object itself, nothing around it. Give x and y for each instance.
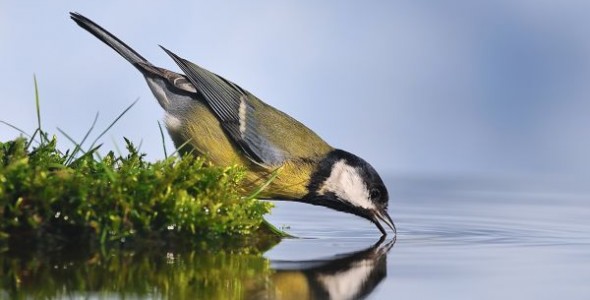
(211, 116)
(353, 275)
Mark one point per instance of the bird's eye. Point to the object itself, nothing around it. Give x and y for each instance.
(375, 193)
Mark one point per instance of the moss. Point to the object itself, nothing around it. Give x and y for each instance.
(226, 272)
(50, 196)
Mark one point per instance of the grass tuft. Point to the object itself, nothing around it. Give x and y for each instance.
(119, 197)
(50, 196)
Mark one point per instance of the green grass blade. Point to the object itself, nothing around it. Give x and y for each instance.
(77, 148)
(181, 146)
(32, 139)
(87, 153)
(273, 229)
(163, 139)
(257, 192)
(38, 107)
(113, 123)
(117, 148)
(16, 128)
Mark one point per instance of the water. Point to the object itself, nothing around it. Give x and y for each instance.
(466, 238)
(458, 238)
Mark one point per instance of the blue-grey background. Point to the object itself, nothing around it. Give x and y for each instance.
(477, 113)
(447, 87)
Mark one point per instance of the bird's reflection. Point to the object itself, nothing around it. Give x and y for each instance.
(219, 272)
(350, 275)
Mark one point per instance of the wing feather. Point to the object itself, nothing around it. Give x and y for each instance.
(234, 108)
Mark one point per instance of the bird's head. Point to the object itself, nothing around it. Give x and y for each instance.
(346, 182)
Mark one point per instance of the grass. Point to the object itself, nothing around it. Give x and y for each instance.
(50, 196)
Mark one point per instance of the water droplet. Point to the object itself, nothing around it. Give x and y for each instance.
(170, 258)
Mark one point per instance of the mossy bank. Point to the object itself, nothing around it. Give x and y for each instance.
(50, 196)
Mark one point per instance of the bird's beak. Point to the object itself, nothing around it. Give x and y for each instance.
(382, 215)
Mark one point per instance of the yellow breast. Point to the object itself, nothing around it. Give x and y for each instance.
(201, 132)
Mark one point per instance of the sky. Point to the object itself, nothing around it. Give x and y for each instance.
(446, 87)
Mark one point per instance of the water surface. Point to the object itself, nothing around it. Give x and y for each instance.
(458, 238)
(466, 238)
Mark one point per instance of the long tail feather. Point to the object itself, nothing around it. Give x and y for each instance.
(109, 39)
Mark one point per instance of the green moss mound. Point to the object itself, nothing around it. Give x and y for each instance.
(47, 195)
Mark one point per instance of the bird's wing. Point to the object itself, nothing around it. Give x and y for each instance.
(235, 109)
(266, 135)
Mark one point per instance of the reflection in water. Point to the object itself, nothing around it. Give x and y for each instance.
(124, 274)
(345, 276)
(241, 273)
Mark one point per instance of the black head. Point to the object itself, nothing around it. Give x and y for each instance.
(345, 182)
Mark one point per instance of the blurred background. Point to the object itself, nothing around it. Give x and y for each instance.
(414, 87)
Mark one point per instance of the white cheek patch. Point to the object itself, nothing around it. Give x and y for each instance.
(347, 184)
(347, 284)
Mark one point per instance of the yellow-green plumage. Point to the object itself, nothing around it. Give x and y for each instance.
(200, 131)
(213, 117)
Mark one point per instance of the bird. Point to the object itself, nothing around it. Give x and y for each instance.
(352, 275)
(210, 116)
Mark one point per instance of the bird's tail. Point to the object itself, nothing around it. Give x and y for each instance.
(109, 39)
